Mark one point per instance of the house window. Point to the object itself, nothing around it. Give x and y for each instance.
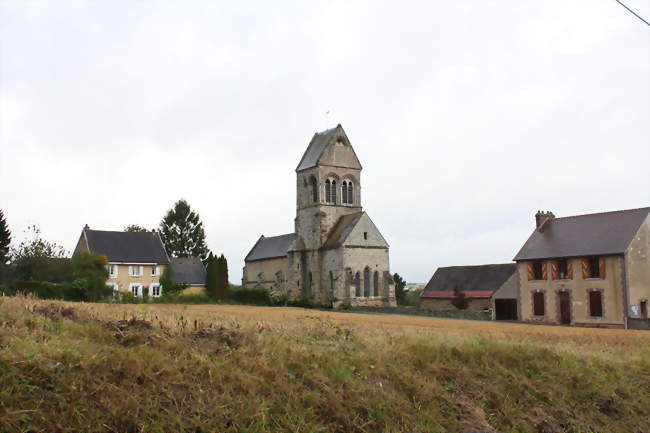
(135, 271)
(136, 289)
(594, 267)
(155, 290)
(538, 304)
(596, 303)
(112, 271)
(155, 271)
(538, 270)
(563, 269)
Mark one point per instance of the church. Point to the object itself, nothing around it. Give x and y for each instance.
(336, 252)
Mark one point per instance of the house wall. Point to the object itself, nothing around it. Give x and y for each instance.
(123, 279)
(439, 304)
(355, 259)
(193, 290)
(262, 273)
(611, 285)
(637, 267)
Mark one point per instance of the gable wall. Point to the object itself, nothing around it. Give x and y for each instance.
(365, 225)
(509, 289)
(637, 264)
(267, 269)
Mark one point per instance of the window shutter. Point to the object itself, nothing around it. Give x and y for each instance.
(130, 271)
(569, 269)
(544, 271)
(585, 268)
(141, 270)
(554, 272)
(601, 267)
(531, 274)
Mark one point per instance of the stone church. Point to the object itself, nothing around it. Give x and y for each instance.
(336, 252)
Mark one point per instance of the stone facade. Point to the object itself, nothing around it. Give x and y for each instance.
(336, 252)
(600, 278)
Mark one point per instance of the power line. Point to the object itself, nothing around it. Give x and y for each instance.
(634, 13)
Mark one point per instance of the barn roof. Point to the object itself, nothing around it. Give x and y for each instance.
(475, 281)
(584, 235)
(271, 247)
(127, 247)
(188, 270)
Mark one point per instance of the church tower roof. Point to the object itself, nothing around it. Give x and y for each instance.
(319, 143)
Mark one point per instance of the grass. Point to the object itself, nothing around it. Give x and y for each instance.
(74, 367)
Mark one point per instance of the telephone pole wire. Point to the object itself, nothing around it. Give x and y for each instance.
(631, 11)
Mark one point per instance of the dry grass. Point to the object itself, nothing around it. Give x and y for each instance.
(202, 368)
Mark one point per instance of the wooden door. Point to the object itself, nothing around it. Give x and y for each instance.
(565, 308)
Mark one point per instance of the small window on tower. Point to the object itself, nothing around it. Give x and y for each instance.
(365, 235)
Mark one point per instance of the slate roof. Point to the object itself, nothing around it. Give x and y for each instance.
(341, 230)
(584, 235)
(315, 149)
(475, 281)
(187, 270)
(127, 247)
(271, 247)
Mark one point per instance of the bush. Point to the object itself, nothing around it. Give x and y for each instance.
(251, 296)
(174, 298)
(345, 305)
(279, 298)
(303, 302)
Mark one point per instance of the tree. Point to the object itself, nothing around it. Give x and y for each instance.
(5, 239)
(212, 277)
(222, 287)
(90, 275)
(167, 282)
(135, 228)
(459, 300)
(39, 260)
(181, 230)
(400, 284)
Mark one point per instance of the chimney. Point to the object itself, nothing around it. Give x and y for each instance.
(541, 218)
(86, 227)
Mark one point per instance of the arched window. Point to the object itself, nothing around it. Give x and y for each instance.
(366, 282)
(357, 285)
(344, 192)
(375, 285)
(333, 192)
(332, 281)
(350, 193)
(328, 191)
(314, 189)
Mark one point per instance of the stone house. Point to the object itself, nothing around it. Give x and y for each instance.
(587, 270)
(136, 260)
(489, 289)
(335, 252)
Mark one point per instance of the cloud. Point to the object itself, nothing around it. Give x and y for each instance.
(467, 116)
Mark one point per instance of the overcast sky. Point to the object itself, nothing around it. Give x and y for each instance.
(467, 116)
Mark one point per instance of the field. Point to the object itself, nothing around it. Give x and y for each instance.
(72, 367)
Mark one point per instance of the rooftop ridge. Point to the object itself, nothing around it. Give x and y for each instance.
(601, 213)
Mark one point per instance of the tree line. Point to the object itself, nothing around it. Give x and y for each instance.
(36, 262)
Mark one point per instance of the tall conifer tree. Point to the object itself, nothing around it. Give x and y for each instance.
(212, 277)
(5, 239)
(181, 230)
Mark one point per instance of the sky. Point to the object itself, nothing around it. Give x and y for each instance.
(467, 117)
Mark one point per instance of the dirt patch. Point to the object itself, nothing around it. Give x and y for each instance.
(218, 336)
(130, 332)
(55, 312)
